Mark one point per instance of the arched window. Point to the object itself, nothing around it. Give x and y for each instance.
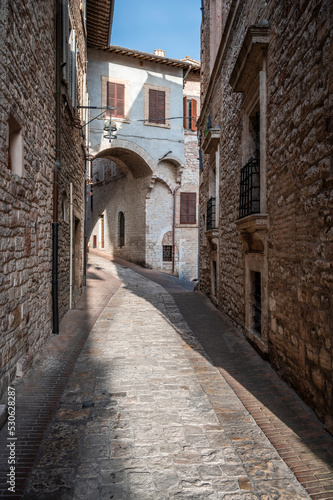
(121, 229)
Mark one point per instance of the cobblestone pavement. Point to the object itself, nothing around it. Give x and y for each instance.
(39, 391)
(146, 415)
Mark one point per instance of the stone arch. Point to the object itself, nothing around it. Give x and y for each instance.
(164, 180)
(176, 162)
(131, 157)
(172, 159)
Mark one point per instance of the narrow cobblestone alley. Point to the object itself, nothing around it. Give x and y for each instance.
(147, 414)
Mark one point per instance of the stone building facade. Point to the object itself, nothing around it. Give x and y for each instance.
(42, 164)
(266, 191)
(145, 180)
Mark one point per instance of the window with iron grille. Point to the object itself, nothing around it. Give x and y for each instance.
(156, 106)
(116, 98)
(211, 213)
(167, 253)
(250, 188)
(187, 208)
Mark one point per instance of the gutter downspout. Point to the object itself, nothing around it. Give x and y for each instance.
(186, 74)
(55, 223)
(174, 227)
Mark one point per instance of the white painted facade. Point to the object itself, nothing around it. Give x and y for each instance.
(142, 172)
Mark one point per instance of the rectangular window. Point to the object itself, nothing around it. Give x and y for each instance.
(190, 111)
(116, 98)
(167, 253)
(15, 147)
(156, 106)
(188, 208)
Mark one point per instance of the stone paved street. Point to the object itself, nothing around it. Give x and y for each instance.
(147, 415)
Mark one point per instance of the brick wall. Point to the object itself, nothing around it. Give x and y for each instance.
(298, 244)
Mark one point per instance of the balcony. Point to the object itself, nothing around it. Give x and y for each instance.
(211, 214)
(250, 188)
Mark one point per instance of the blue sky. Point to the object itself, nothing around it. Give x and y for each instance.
(145, 25)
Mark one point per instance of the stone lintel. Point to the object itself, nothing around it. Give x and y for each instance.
(249, 61)
(211, 141)
(252, 223)
(212, 236)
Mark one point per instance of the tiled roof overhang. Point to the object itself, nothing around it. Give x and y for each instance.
(145, 56)
(99, 22)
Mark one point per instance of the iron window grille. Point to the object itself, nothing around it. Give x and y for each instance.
(250, 188)
(211, 213)
(167, 253)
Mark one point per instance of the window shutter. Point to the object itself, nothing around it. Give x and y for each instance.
(194, 115)
(183, 208)
(191, 208)
(120, 93)
(187, 208)
(185, 112)
(160, 106)
(156, 106)
(152, 105)
(110, 95)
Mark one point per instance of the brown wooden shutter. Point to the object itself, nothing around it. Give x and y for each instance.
(185, 112)
(194, 115)
(160, 106)
(191, 208)
(183, 208)
(152, 105)
(116, 98)
(120, 100)
(156, 106)
(111, 95)
(187, 208)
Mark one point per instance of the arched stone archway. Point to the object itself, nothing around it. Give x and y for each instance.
(133, 159)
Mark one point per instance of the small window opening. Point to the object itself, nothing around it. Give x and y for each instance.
(254, 133)
(167, 253)
(15, 149)
(121, 221)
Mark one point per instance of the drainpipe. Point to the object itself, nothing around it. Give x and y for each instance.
(57, 164)
(186, 74)
(174, 227)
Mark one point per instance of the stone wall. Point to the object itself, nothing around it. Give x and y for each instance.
(298, 239)
(27, 114)
(114, 194)
(27, 86)
(72, 172)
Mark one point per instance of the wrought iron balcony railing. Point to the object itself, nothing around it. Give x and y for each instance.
(211, 214)
(250, 188)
